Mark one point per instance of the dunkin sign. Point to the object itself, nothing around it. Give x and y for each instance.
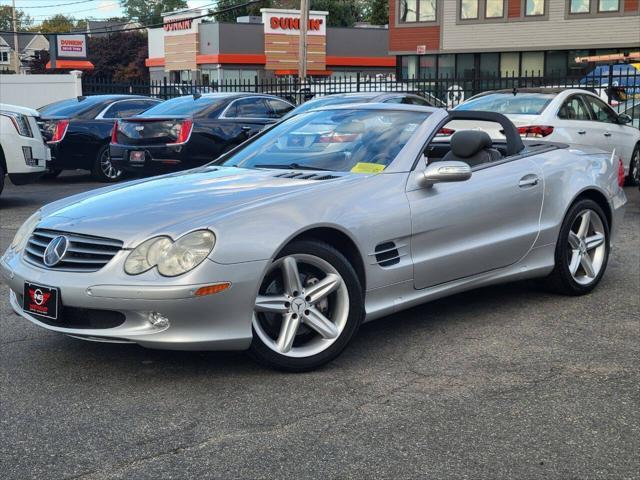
(287, 22)
(71, 46)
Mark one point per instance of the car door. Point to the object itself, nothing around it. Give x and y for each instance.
(614, 135)
(485, 223)
(574, 124)
(249, 115)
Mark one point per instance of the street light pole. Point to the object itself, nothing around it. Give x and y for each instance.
(302, 55)
(16, 47)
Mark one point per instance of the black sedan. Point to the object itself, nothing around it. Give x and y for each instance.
(190, 131)
(78, 130)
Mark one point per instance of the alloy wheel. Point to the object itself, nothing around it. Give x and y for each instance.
(587, 248)
(302, 307)
(635, 166)
(107, 167)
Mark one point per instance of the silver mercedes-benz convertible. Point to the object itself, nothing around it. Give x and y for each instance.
(283, 246)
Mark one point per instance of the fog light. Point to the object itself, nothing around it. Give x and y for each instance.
(28, 157)
(158, 320)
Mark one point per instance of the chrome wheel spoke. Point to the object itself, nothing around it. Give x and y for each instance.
(272, 304)
(585, 221)
(574, 240)
(292, 283)
(321, 324)
(324, 287)
(575, 262)
(288, 330)
(594, 241)
(587, 265)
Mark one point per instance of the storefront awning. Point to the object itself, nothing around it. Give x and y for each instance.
(72, 65)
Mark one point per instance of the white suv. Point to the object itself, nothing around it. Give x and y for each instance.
(23, 152)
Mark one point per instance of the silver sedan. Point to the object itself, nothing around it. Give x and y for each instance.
(284, 246)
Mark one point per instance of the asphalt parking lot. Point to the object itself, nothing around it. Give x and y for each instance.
(504, 382)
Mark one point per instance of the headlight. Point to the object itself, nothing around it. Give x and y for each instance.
(171, 258)
(21, 122)
(24, 232)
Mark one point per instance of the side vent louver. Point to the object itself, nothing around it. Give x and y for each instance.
(306, 176)
(387, 254)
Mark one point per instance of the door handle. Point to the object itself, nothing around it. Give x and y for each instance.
(582, 132)
(607, 134)
(530, 180)
(246, 128)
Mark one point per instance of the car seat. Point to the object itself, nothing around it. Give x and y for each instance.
(473, 147)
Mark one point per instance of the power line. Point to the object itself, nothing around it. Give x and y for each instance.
(144, 27)
(55, 5)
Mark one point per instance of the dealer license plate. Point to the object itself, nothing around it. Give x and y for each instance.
(41, 300)
(136, 156)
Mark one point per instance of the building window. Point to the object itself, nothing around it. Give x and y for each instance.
(556, 63)
(494, 9)
(412, 11)
(4, 57)
(533, 63)
(509, 64)
(409, 67)
(427, 66)
(534, 8)
(468, 9)
(580, 6)
(446, 66)
(608, 5)
(465, 65)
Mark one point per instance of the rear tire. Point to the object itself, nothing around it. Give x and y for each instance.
(299, 325)
(582, 250)
(634, 168)
(2, 174)
(102, 169)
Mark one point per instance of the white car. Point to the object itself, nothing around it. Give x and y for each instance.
(572, 116)
(23, 152)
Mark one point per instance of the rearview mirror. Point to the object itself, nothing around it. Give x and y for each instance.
(623, 119)
(439, 172)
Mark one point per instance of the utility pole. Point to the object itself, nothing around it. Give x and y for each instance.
(302, 55)
(16, 47)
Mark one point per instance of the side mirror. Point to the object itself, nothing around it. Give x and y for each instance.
(623, 119)
(439, 172)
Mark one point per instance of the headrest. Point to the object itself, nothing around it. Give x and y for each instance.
(466, 143)
(352, 126)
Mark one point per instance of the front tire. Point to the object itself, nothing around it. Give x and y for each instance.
(52, 173)
(102, 169)
(582, 250)
(309, 306)
(634, 168)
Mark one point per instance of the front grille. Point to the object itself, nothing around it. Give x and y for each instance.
(84, 253)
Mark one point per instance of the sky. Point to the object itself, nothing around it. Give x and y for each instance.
(95, 9)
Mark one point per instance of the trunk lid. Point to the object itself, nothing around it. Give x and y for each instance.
(149, 130)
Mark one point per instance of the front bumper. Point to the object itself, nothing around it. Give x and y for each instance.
(25, 157)
(220, 321)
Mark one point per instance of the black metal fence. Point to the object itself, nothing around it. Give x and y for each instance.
(616, 86)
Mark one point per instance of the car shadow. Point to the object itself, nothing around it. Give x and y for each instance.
(395, 329)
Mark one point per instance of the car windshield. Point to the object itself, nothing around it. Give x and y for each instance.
(70, 107)
(182, 106)
(364, 141)
(508, 103)
(328, 101)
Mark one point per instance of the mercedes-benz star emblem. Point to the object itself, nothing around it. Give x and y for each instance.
(56, 251)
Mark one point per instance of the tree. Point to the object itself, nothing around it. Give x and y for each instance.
(57, 23)
(38, 64)
(343, 13)
(6, 18)
(119, 56)
(379, 12)
(149, 12)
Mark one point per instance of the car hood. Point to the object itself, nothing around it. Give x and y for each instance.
(30, 112)
(174, 204)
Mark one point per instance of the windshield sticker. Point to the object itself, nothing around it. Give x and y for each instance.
(363, 167)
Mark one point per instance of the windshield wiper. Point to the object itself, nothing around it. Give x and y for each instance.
(291, 166)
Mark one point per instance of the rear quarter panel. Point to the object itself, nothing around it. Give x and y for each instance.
(567, 173)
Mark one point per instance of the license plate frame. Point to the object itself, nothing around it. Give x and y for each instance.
(137, 156)
(41, 300)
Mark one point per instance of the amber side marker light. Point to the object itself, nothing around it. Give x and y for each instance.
(212, 289)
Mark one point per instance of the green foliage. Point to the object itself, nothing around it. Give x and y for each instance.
(378, 13)
(57, 23)
(149, 12)
(119, 56)
(6, 18)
